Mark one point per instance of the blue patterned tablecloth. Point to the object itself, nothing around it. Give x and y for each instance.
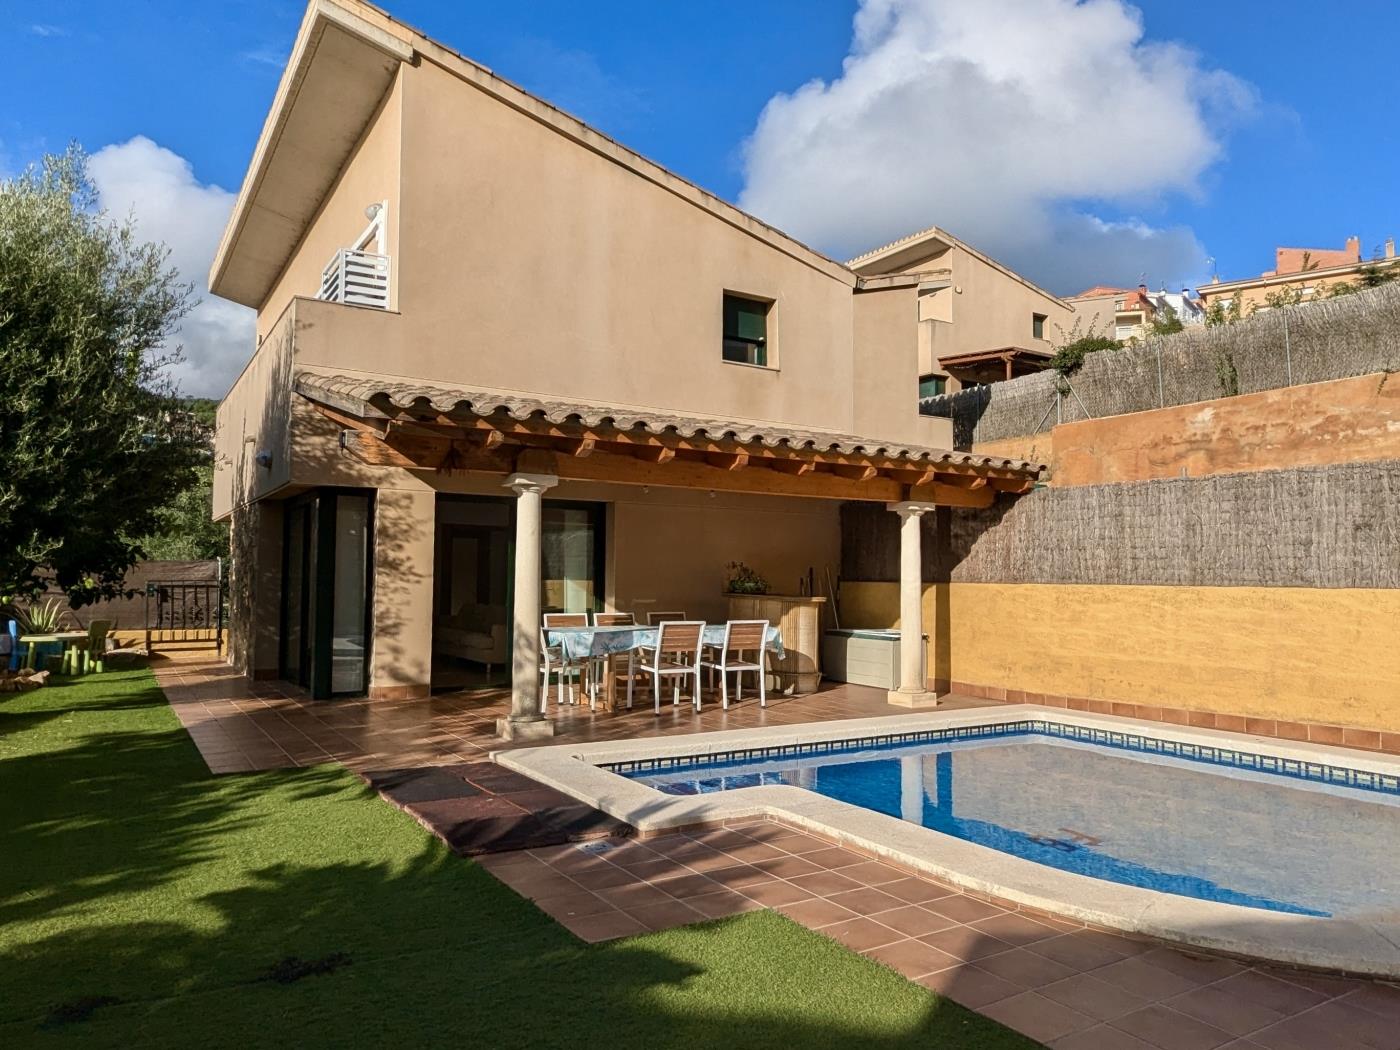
(580, 643)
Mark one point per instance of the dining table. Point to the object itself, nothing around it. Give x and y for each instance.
(61, 638)
(581, 644)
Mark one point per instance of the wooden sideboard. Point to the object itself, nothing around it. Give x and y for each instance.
(800, 620)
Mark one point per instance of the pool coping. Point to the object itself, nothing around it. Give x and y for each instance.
(1341, 945)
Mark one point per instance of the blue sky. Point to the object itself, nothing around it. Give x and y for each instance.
(1269, 123)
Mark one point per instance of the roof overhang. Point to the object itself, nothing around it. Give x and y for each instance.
(420, 426)
(339, 71)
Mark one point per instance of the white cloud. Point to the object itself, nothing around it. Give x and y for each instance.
(43, 29)
(1011, 123)
(159, 189)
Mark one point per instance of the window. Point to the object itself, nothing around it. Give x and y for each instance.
(746, 330)
(1037, 326)
(932, 386)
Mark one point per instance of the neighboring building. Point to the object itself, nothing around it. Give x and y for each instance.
(979, 322)
(1304, 273)
(1128, 313)
(505, 364)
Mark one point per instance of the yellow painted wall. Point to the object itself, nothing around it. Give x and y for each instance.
(1300, 654)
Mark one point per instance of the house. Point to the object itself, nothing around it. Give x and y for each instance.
(978, 321)
(1128, 313)
(505, 365)
(1298, 274)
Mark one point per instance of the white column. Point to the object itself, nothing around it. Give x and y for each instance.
(526, 720)
(911, 788)
(912, 689)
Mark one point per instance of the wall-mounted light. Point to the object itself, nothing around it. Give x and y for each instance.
(264, 459)
(372, 211)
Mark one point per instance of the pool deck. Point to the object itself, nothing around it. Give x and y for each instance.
(1340, 945)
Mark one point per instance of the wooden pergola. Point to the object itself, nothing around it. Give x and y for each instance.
(433, 428)
(535, 444)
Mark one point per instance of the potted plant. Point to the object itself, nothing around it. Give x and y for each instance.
(743, 580)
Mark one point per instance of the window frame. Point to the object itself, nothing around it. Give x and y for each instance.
(1038, 325)
(941, 379)
(765, 356)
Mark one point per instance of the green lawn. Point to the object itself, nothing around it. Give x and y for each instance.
(145, 903)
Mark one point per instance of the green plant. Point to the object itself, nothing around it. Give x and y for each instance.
(93, 438)
(1168, 324)
(1227, 374)
(1069, 358)
(743, 580)
(45, 618)
(1221, 313)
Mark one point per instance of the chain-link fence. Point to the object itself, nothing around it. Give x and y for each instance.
(1331, 339)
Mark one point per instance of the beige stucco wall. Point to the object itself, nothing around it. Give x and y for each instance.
(1094, 316)
(370, 176)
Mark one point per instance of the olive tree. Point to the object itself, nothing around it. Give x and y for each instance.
(93, 439)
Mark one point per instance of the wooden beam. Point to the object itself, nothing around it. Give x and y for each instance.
(580, 447)
(951, 495)
(853, 471)
(795, 467)
(653, 453)
(1016, 486)
(727, 460)
(350, 422)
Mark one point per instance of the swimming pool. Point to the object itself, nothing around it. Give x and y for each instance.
(1215, 822)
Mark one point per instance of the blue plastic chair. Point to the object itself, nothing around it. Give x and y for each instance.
(13, 629)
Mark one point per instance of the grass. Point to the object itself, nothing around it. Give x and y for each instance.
(144, 902)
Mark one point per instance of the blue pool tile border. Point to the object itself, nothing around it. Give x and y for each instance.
(1297, 769)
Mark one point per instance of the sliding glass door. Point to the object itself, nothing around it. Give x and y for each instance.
(475, 575)
(326, 579)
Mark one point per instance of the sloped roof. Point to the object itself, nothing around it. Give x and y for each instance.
(368, 397)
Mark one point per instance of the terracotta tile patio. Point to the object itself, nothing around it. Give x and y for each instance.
(1066, 985)
(1063, 984)
(241, 726)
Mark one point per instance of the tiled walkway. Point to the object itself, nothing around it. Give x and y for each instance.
(241, 726)
(1070, 987)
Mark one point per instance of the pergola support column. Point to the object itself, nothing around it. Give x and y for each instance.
(913, 690)
(527, 720)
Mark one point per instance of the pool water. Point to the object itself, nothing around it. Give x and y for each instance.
(1178, 825)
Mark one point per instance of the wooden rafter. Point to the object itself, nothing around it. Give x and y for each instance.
(424, 440)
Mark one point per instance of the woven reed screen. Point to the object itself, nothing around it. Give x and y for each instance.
(1330, 339)
(1335, 526)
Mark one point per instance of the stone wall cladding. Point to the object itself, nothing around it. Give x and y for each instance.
(1334, 526)
(1331, 339)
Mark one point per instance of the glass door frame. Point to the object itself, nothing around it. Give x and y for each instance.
(315, 512)
(598, 521)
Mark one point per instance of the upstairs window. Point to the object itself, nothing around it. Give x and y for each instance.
(746, 330)
(1037, 326)
(932, 386)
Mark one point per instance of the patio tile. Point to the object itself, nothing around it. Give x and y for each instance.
(1164, 1027)
(873, 873)
(961, 908)
(683, 886)
(916, 890)
(606, 926)
(1282, 996)
(602, 878)
(1199, 968)
(1077, 951)
(665, 916)
(635, 895)
(1038, 1017)
(825, 883)
(1015, 929)
(786, 866)
(965, 943)
(1137, 975)
(865, 901)
(912, 920)
(833, 857)
(1025, 968)
(1383, 1000)
(861, 934)
(573, 905)
(1102, 1037)
(739, 876)
(969, 986)
(1235, 1014)
(772, 894)
(912, 958)
(725, 902)
(1089, 995)
(1334, 1025)
(816, 913)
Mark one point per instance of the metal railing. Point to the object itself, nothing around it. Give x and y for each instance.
(356, 278)
(184, 613)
